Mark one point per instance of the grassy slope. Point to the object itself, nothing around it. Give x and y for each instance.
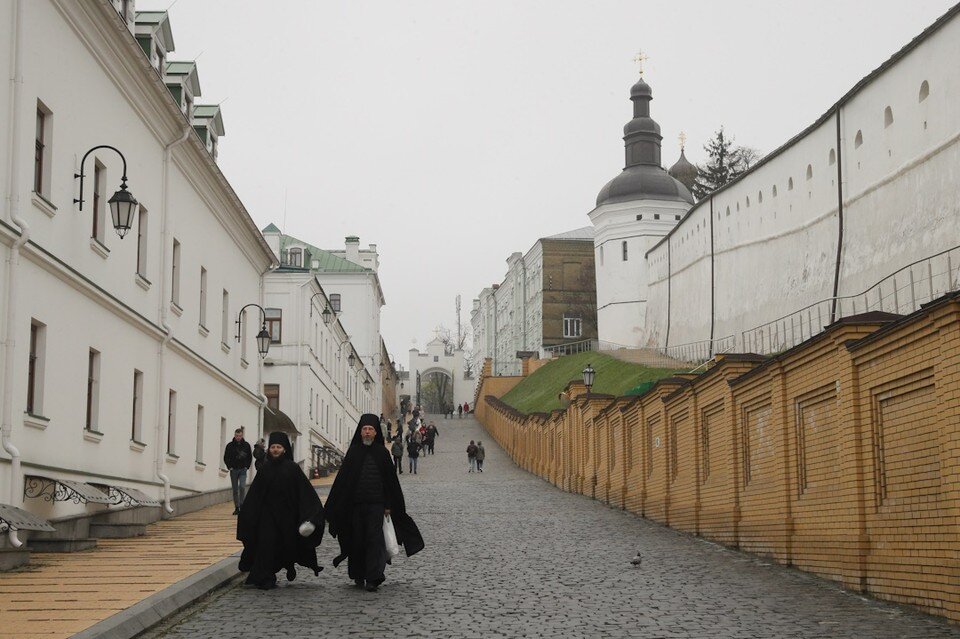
(539, 392)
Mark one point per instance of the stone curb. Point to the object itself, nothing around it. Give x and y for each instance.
(162, 605)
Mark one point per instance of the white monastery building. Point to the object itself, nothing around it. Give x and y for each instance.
(119, 364)
(346, 284)
(858, 212)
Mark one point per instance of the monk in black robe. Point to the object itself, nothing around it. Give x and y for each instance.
(281, 520)
(365, 490)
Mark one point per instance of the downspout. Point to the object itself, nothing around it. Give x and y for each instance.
(164, 305)
(666, 341)
(300, 350)
(13, 208)
(713, 283)
(836, 273)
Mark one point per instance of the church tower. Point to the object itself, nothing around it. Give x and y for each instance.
(634, 210)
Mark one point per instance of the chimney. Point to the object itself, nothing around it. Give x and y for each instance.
(353, 249)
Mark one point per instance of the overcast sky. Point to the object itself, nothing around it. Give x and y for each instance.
(452, 133)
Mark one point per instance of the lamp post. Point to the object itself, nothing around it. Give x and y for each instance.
(263, 337)
(588, 376)
(326, 314)
(122, 204)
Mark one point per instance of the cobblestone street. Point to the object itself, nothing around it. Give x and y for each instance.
(509, 555)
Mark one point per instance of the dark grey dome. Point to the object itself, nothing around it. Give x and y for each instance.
(684, 171)
(644, 182)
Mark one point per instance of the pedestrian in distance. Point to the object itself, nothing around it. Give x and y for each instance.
(396, 449)
(259, 453)
(237, 457)
(281, 521)
(365, 491)
(472, 456)
(481, 454)
(466, 408)
(459, 412)
(413, 452)
(432, 434)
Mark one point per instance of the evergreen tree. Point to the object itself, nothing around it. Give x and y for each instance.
(725, 163)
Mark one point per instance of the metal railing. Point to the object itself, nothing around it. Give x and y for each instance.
(572, 348)
(901, 292)
(700, 351)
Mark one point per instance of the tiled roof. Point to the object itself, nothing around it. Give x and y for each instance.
(328, 262)
(270, 228)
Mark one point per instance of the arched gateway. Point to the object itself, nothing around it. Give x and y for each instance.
(438, 378)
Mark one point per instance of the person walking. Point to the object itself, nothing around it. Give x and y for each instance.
(432, 434)
(281, 521)
(237, 457)
(365, 491)
(413, 452)
(472, 456)
(481, 454)
(259, 454)
(459, 411)
(396, 449)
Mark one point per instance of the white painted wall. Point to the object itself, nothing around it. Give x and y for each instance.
(437, 359)
(774, 256)
(90, 296)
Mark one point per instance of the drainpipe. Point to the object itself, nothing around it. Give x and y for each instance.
(300, 350)
(13, 208)
(836, 273)
(713, 282)
(666, 341)
(164, 305)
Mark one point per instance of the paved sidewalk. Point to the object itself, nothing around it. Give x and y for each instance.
(509, 555)
(61, 594)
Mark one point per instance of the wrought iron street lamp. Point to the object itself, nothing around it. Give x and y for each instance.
(327, 314)
(263, 337)
(351, 360)
(588, 376)
(366, 384)
(122, 204)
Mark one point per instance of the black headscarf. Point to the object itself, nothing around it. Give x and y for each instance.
(340, 500)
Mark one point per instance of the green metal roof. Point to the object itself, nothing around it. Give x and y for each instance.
(151, 17)
(328, 262)
(180, 68)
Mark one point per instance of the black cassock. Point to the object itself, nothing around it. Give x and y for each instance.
(340, 509)
(279, 500)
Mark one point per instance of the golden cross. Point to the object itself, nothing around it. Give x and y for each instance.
(683, 140)
(640, 58)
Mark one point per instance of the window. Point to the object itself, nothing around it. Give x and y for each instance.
(656, 216)
(223, 439)
(93, 389)
(832, 157)
(601, 254)
(924, 91)
(858, 140)
(99, 205)
(172, 422)
(335, 302)
(142, 242)
(572, 326)
(272, 393)
(199, 458)
(774, 190)
(38, 345)
(42, 147)
(203, 297)
(225, 318)
(759, 197)
(243, 336)
(887, 117)
(809, 172)
(296, 257)
(436, 358)
(136, 421)
(790, 184)
(623, 248)
(175, 274)
(274, 324)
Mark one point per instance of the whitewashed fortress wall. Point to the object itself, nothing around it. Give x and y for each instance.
(775, 231)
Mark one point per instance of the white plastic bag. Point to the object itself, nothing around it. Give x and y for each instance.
(390, 538)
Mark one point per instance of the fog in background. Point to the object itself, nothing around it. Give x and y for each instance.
(453, 133)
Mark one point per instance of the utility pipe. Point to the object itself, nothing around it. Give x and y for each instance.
(164, 304)
(13, 260)
(836, 273)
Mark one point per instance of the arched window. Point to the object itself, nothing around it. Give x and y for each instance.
(748, 201)
(858, 140)
(760, 197)
(790, 184)
(887, 117)
(738, 206)
(774, 190)
(728, 211)
(833, 157)
(924, 91)
(809, 172)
